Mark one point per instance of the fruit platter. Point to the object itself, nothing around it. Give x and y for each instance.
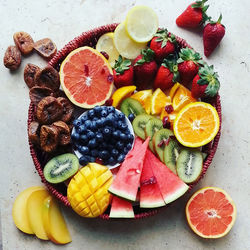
(124, 120)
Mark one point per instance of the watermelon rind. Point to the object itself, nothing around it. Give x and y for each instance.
(122, 194)
(122, 214)
(152, 204)
(181, 191)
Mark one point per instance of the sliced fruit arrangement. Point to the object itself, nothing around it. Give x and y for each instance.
(36, 212)
(121, 208)
(211, 212)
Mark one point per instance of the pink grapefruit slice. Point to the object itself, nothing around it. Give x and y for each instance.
(86, 77)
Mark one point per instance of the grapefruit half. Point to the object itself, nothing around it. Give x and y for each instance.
(86, 77)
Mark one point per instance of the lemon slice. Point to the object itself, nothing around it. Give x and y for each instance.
(106, 43)
(125, 45)
(141, 23)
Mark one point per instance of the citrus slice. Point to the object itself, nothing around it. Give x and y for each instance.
(158, 101)
(141, 23)
(86, 77)
(173, 90)
(196, 124)
(106, 43)
(211, 212)
(144, 97)
(182, 97)
(121, 94)
(125, 45)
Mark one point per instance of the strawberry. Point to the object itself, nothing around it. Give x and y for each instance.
(145, 68)
(167, 74)
(212, 35)
(188, 64)
(123, 72)
(193, 16)
(162, 44)
(205, 83)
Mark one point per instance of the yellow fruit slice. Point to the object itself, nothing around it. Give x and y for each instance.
(125, 45)
(196, 124)
(122, 93)
(106, 43)
(144, 97)
(158, 101)
(141, 23)
(19, 210)
(211, 212)
(173, 90)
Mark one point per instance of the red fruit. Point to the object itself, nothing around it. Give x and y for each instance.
(206, 83)
(193, 16)
(123, 73)
(145, 68)
(162, 44)
(212, 35)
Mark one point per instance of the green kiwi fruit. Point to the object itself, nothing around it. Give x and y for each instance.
(152, 126)
(139, 124)
(158, 141)
(189, 165)
(60, 168)
(132, 106)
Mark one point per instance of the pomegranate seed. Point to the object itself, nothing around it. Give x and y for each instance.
(86, 69)
(105, 54)
(167, 141)
(109, 102)
(166, 122)
(110, 78)
(169, 109)
(151, 180)
(160, 144)
(99, 161)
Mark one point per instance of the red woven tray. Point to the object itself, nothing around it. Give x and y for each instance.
(40, 158)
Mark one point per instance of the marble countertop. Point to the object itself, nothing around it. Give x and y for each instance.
(230, 169)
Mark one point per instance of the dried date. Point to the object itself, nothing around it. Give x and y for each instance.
(45, 48)
(29, 73)
(64, 132)
(24, 42)
(33, 132)
(38, 93)
(12, 58)
(49, 138)
(68, 109)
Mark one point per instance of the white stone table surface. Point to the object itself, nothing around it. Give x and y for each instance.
(230, 169)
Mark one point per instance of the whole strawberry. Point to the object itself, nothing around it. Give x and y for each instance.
(188, 64)
(193, 16)
(167, 74)
(123, 73)
(145, 68)
(212, 35)
(162, 44)
(206, 83)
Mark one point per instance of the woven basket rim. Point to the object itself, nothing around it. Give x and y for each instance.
(90, 38)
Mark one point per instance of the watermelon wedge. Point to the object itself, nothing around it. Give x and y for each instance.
(121, 208)
(171, 186)
(150, 194)
(127, 180)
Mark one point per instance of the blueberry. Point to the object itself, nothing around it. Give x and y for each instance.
(131, 117)
(90, 158)
(97, 110)
(113, 141)
(109, 119)
(84, 118)
(82, 129)
(123, 137)
(83, 139)
(83, 150)
(88, 124)
(121, 158)
(104, 154)
(119, 145)
(130, 138)
(95, 119)
(127, 132)
(93, 126)
(90, 134)
(104, 113)
(119, 124)
(99, 137)
(75, 137)
(121, 116)
(92, 143)
(106, 131)
(111, 161)
(116, 134)
(110, 109)
(129, 146)
(77, 123)
(91, 114)
(104, 145)
(124, 127)
(100, 122)
(94, 152)
(83, 160)
(125, 150)
(114, 152)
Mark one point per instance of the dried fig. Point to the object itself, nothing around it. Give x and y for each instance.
(49, 110)
(12, 58)
(49, 138)
(45, 48)
(48, 77)
(68, 108)
(24, 42)
(64, 132)
(29, 73)
(38, 93)
(33, 133)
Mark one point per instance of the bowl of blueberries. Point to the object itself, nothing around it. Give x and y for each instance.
(102, 134)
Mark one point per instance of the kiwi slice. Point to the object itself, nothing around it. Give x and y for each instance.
(60, 168)
(159, 139)
(170, 154)
(139, 124)
(152, 126)
(132, 106)
(189, 165)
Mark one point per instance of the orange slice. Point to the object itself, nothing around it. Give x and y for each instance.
(86, 77)
(173, 90)
(211, 212)
(196, 124)
(144, 97)
(158, 101)
(182, 97)
(121, 94)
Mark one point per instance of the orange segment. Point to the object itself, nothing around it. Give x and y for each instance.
(158, 101)
(211, 212)
(144, 97)
(86, 77)
(121, 94)
(173, 90)
(196, 124)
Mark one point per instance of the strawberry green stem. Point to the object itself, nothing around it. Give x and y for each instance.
(219, 20)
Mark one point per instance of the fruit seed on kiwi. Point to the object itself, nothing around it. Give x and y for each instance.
(60, 168)
(132, 106)
(189, 165)
(139, 124)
